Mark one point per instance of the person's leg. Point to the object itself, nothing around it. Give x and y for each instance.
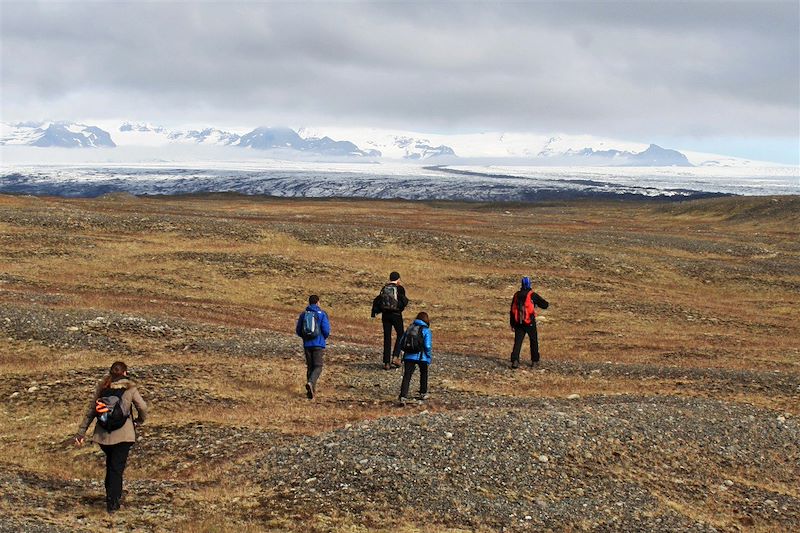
(115, 466)
(397, 322)
(408, 371)
(534, 338)
(423, 378)
(309, 363)
(108, 450)
(316, 362)
(387, 339)
(519, 335)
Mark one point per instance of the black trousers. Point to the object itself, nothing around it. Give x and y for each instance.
(519, 336)
(391, 321)
(408, 371)
(313, 364)
(116, 459)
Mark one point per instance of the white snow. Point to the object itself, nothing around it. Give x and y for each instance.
(399, 145)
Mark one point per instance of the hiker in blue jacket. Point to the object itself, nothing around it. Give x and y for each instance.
(417, 346)
(313, 327)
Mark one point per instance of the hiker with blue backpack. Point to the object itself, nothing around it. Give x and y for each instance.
(313, 327)
(389, 303)
(417, 344)
(522, 317)
(114, 430)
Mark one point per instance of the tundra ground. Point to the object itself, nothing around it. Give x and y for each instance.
(667, 397)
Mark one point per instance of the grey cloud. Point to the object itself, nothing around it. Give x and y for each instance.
(632, 68)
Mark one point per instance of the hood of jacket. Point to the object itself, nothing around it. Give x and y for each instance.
(123, 382)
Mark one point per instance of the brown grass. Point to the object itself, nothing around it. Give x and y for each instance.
(628, 283)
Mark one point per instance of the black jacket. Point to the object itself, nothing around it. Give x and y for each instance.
(402, 302)
(537, 300)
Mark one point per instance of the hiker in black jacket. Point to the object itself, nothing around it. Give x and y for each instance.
(523, 321)
(390, 303)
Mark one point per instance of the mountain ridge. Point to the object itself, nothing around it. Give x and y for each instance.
(365, 143)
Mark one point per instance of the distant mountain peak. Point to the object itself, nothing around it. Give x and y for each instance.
(525, 148)
(57, 135)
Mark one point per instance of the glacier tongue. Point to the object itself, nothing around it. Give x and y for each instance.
(464, 183)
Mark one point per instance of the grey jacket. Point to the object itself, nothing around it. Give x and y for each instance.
(126, 433)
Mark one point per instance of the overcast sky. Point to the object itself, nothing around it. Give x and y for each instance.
(691, 74)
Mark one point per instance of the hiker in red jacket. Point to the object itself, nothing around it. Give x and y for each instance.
(523, 321)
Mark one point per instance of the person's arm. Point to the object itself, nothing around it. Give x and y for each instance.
(538, 301)
(325, 325)
(297, 329)
(86, 422)
(427, 338)
(402, 301)
(511, 312)
(141, 407)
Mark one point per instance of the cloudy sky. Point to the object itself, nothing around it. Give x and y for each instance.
(716, 76)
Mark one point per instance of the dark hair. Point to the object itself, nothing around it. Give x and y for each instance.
(313, 299)
(117, 370)
(394, 276)
(422, 315)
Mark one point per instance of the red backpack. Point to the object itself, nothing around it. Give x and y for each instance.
(522, 309)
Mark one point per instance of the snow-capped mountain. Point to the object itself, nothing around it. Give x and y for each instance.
(556, 150)
(389, 144)
(653, 156)
(146, 134)
(55, 134)
(264, 138)
(371, 143)
(288, 139)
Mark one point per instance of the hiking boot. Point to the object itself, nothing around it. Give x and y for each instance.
(534, 364)
(309, 390)
(403, 400)
(112, 506)
(387, 366)
(514, 364)
(423, 397)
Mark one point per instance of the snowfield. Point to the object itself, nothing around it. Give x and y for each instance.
(396, 180)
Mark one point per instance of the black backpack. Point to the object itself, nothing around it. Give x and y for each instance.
(108, 408)
(389, 300)
(310, 328)
(413, 341)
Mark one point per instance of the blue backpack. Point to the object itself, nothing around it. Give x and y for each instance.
(310, 329)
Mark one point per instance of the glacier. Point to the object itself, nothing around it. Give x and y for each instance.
(395, 181)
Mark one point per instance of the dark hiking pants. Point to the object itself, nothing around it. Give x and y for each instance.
(391, 321)
(408, 371)
(116, 459)
(519, 336)
(313, 364)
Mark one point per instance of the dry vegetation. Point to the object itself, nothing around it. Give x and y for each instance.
(696, 301)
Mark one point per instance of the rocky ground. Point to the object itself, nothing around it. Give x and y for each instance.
(613, 430)
(597, 463)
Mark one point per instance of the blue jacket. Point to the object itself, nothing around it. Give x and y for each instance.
(426, 355)
(324, 326)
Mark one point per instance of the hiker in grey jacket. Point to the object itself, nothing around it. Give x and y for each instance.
(115, 444)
